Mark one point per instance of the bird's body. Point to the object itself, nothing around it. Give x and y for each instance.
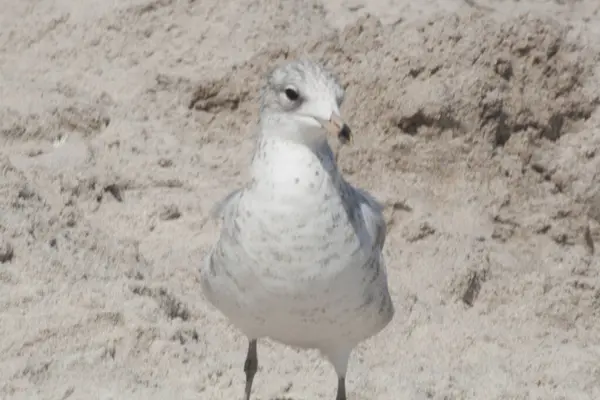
(299, 256)
(278, 271)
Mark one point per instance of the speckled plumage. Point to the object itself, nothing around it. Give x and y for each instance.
(299, 256)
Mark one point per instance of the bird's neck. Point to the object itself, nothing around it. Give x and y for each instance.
(282, 127)
(284, 165)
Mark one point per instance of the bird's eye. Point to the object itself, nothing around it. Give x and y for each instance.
(292, 94)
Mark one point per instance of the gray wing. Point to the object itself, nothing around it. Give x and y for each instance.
(216, 258)
(372, 215)
(220, 209)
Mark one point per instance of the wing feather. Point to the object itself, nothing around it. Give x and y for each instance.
(220, 209)
(372, 215)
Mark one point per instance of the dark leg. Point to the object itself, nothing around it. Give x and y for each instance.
(250, 367)
(341, 391)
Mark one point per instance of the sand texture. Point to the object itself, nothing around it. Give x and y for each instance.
(476, 124)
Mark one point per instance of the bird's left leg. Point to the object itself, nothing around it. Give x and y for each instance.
(341, 389)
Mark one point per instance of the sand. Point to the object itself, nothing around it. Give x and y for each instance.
(476, 123)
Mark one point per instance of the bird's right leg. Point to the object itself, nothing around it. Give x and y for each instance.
(339, 356)
(250, 367)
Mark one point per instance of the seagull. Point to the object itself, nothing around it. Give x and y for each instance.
(299, 257)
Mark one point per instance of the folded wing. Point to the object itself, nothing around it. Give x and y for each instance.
(372, 215)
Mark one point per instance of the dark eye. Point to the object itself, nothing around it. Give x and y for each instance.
(292, 94)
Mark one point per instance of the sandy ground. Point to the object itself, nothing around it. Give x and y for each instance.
(477, 124)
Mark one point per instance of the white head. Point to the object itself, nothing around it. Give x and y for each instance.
(300, 102)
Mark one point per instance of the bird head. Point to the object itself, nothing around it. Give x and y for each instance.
(303, 99)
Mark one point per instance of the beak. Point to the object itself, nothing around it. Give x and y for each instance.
(337, 127)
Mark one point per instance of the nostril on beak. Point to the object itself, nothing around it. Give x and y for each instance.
(345, 134)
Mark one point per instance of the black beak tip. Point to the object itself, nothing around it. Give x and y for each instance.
(345, 134)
